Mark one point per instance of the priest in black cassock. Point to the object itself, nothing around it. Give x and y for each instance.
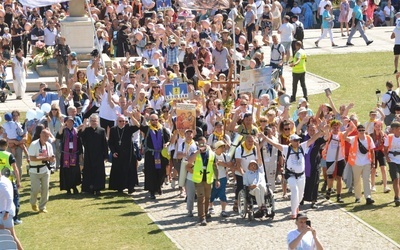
(312, 166)
(124, 163)
(96, 151)
(156, 138)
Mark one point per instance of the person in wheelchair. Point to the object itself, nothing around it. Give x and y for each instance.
(254, 181)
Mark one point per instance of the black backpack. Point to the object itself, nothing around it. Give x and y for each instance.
(299, 34)
(394, 100)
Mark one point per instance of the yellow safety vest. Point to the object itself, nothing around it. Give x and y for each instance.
(5, 166)
(198, 168)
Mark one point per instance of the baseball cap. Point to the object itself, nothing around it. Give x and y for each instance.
(294, 137)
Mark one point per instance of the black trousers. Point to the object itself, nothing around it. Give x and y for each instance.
(296, 78)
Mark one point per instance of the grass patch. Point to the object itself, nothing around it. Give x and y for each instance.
(359, 75)
(112, 221)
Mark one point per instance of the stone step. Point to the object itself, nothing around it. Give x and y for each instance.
(52, 63)
(46, 71)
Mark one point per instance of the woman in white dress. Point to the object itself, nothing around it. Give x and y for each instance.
(19, 72)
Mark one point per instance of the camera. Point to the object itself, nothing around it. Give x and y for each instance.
(49, 166)
(377, 92)
(46, 89)
(308, 223)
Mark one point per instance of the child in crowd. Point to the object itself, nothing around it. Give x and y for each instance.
(223, 162)
(15, 135)
(73, 63)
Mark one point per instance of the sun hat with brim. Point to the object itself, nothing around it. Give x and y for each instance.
(301, 109)
(219, 144)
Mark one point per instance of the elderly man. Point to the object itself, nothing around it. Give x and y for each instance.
(41, 155)
(44, 95)
(95, 143)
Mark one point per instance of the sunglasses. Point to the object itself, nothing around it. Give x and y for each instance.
(243, 104)
(361, 130)
(263, 121)
(121, 121)
(54, 109)
(286, 129)
(132, 77)
(154, 120)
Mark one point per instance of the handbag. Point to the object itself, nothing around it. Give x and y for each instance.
(239, 17)
(362, 148)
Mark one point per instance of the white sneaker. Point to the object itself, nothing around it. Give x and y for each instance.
(386, 190)
(373, 189)
(211, 210)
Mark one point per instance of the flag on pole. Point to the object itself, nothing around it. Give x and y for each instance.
(204, 4)
(40, 3)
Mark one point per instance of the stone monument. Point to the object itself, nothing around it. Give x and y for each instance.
(77, 28)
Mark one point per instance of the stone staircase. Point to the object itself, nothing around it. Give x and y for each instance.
(50, 68)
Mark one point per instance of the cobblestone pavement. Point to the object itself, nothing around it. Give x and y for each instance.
(169, 212)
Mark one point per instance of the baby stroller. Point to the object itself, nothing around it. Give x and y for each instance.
(247, 204)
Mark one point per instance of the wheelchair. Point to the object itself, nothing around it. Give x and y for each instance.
(247, 204)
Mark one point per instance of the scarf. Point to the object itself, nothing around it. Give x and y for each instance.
(247, 149)
(285, 137)
(155, 128)
(219, 137)
(156, 96)
(157, 139)
(70, 156)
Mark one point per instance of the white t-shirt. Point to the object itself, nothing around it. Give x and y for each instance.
(389, 11)
(221, 169)
(331, 152)
(386, 99)
(247, 157)
(105, 110)
(396, 32)
(91, 75)
(362, 159)
(306, 243)
(260, 7)
(50, 36)
(189, 150)
(6, 196)
(295, 161)
(36, 149)
(12, 129)
(286, 30)
(394, 147)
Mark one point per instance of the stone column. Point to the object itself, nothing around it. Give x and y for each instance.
(78, 29)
